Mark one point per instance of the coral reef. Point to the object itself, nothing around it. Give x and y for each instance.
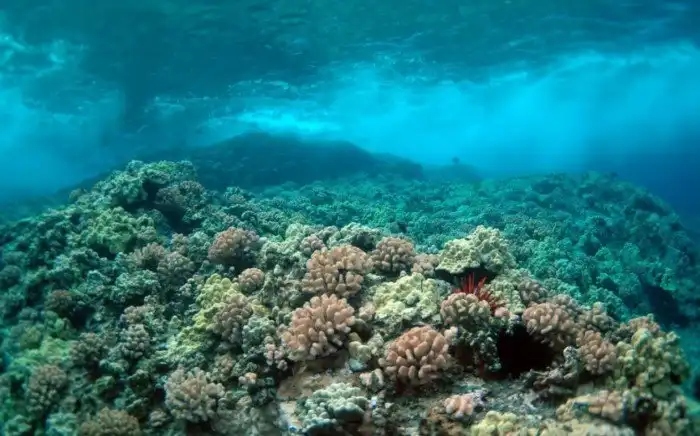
(153, 306)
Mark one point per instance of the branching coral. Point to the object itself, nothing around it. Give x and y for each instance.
(222, 309)
(476, 327)
(338, 271)
(251, 280)
(319, 328)
(417, 356)
(234, 247)
(135, 342)
(333, 408)
(105, 296)
(598, 354)
(609, 405)
(230, 317)
(470, 287)
(115, 231)
(551, 323)
(88, 350)
(462, 406)
(175, 268)
(655, 362)
(467, 311)
(532, 292)
(190, 396)
(425, 264)
(393, 255)
(148, 256)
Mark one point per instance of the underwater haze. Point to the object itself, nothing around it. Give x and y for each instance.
(349, 217)
(511, 88)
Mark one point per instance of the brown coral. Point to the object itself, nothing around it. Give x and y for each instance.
(109, 422)
(251, 280)
(135, 342)
(234, 247)
(149, 256)
(190, 396)
(465, 310)
(425, 264)
(393, 255)
(626, 331)
(609, 405)
(339, 271)
(174, 269)
(532, 291)
(319, 328)
(62, 302)
(596, 318)
(310, 244)
(598, 355)
(551, 323)
(88, 350)
(417, 356)
(44, 388)
(231, 316)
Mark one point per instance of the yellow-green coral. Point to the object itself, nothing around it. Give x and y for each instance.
(499, 424)
(410, 299)
(655, 362)
(510, 424)
(484, 248)
(117, 231)
(211, 295)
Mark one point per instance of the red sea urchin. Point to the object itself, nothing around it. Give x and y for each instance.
(468, 285)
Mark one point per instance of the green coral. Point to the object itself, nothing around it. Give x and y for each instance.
(138, 181)
(51, 351)
(210, 298)
(655, 362)
(116, 231)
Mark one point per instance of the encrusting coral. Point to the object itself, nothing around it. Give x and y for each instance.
(152, 306)
(410, 299)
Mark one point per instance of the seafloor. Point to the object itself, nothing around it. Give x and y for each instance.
(248, 292)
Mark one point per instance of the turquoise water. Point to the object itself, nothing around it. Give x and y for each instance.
(179, 178)
(512, 87)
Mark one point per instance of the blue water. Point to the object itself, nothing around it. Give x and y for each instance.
(513, 88)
